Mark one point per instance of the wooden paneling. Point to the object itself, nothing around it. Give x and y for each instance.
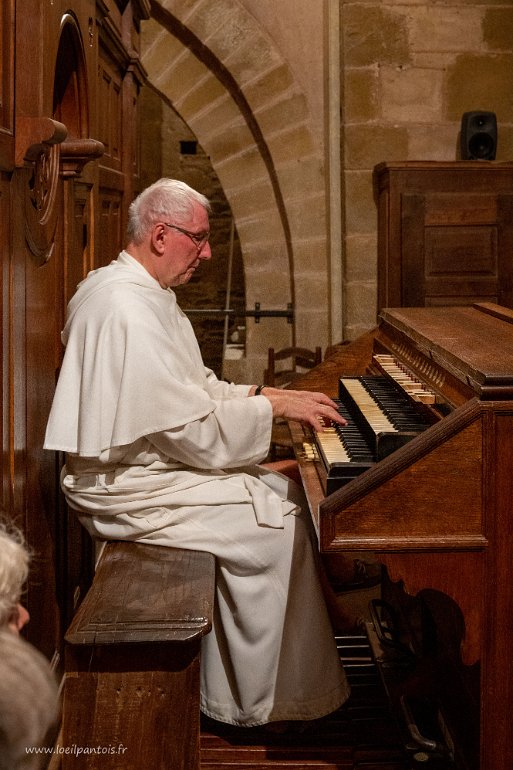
(444, 233)
(119, 81)
(110, 114)
(43, 315)
(58, 98)
(5, 411)
(79, 216)
(110, 204)
(6, 83)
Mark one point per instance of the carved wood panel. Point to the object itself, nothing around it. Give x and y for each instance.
(444, 233)
(61, 214)
(450, 249)
(110, 204)
(43, 317)
(110, 113)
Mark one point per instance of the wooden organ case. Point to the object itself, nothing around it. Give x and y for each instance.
(445, 233)
(438, 513)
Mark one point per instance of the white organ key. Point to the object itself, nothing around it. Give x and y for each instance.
(309, 450)
(332, 447)
(415, 389)
(371, 411)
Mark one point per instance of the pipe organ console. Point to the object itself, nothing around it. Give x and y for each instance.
(381, 418)
(422, 476)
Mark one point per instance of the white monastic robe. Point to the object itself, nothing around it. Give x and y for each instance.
(161, 451)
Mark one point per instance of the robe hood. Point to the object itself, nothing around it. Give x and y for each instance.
(124, 269)
(126, 371)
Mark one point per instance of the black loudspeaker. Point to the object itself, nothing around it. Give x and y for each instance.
(478, 136)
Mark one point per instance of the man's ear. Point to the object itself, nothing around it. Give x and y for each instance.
(158, 238)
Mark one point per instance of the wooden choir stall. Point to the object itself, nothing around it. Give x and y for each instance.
(69, 168)
(430, 493)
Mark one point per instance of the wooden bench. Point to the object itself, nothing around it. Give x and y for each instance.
(131, 691)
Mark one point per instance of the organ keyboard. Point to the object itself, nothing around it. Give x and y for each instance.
(382, 415)
(436, 510)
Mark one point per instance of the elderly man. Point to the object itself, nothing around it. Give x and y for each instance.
(14, 567)
(161, 451)
(29, 702)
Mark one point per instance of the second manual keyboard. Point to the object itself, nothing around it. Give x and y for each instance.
(381, 418)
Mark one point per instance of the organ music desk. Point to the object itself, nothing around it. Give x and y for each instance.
(438, 510)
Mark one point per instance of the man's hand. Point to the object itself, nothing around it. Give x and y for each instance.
(307, 407)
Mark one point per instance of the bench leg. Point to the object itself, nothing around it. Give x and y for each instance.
(134, 706)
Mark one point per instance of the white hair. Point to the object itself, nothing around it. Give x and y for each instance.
(14, 566)
(29, 704)
(163, 200)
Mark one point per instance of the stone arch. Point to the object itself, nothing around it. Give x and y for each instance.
(231, 85)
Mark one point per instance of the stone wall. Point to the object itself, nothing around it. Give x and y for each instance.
(410, 71)
(171, 149)
(256, 82)
(227, 78)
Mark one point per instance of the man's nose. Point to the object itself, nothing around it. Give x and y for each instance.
(206, 251)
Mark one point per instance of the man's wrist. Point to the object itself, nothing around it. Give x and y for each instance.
(259, 389)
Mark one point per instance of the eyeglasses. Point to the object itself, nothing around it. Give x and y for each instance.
(199, 239)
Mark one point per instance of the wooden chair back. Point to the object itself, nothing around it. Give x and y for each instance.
(285, 365)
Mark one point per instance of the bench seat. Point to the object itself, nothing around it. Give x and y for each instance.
(132, 651)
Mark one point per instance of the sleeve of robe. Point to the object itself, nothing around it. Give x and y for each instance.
(132, 367)
(220, 389)
(237, 432)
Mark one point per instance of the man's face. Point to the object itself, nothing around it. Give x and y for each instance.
(183, 251)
